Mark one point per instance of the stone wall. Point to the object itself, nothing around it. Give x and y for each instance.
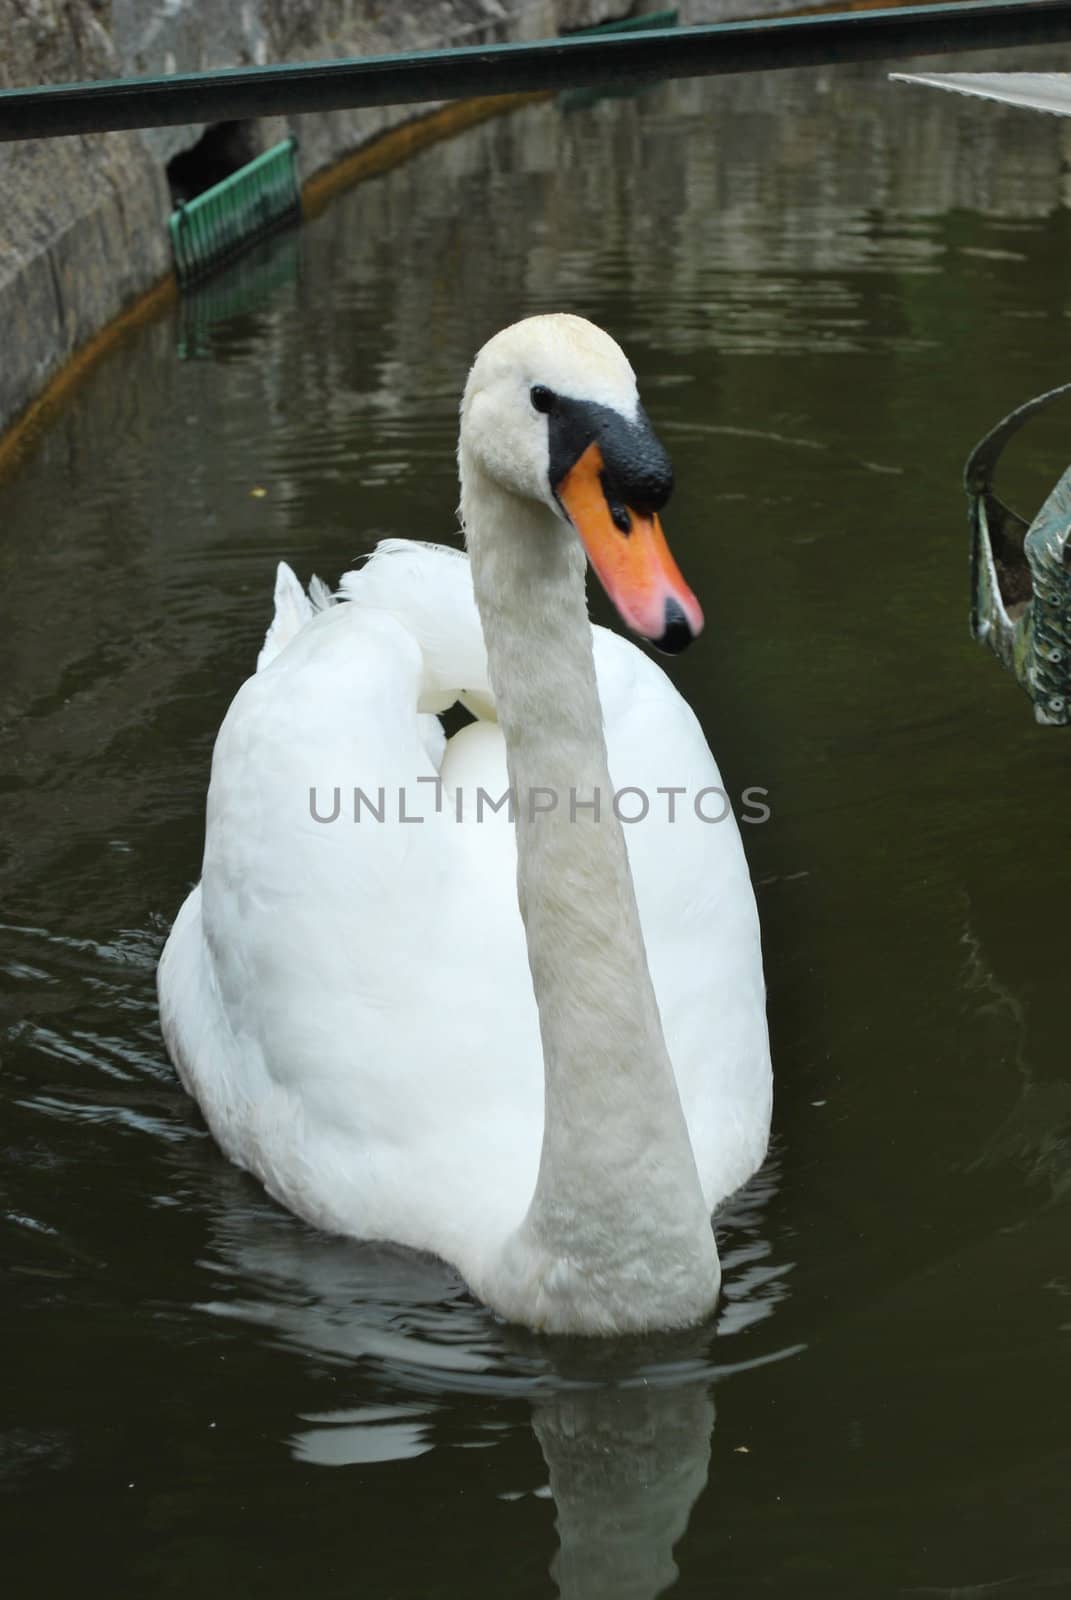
(81, 231)
(83, 220)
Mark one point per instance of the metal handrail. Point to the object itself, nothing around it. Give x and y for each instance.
(549, 64)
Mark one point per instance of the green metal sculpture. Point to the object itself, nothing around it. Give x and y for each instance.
(1021, 574)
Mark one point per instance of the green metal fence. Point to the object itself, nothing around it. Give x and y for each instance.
(221, 222)
(646, 21)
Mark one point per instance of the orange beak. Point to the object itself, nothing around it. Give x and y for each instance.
(631, 557)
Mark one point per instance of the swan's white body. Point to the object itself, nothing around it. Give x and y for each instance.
(352, 1002)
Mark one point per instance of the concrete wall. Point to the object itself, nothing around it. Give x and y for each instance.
(83, 220)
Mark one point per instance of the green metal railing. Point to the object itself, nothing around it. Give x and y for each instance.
(645, 23)
(594, 61)
(216, 226)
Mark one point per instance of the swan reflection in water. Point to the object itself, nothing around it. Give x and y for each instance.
(624, 1425)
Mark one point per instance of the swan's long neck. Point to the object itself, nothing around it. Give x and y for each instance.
(617, 1235)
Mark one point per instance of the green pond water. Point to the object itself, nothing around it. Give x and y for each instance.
(830, 287)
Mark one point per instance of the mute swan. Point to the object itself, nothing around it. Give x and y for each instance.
(351, 1001)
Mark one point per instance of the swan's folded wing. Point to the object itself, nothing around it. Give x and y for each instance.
(428, 588)
(334, 939)
(293, 609)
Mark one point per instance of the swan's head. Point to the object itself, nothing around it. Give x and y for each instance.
(551, 413)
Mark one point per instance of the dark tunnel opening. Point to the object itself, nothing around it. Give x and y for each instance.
(221, 150)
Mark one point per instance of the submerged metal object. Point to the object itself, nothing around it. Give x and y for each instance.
(1021, 574)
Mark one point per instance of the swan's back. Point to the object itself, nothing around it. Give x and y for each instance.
(350, 1000)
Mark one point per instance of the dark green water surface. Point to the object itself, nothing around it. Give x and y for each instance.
(830, 287)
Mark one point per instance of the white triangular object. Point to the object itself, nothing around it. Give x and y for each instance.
(1038, 91)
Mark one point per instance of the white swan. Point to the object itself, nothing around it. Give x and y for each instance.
(352, 1003)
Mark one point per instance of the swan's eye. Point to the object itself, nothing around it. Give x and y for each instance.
(541, 397)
